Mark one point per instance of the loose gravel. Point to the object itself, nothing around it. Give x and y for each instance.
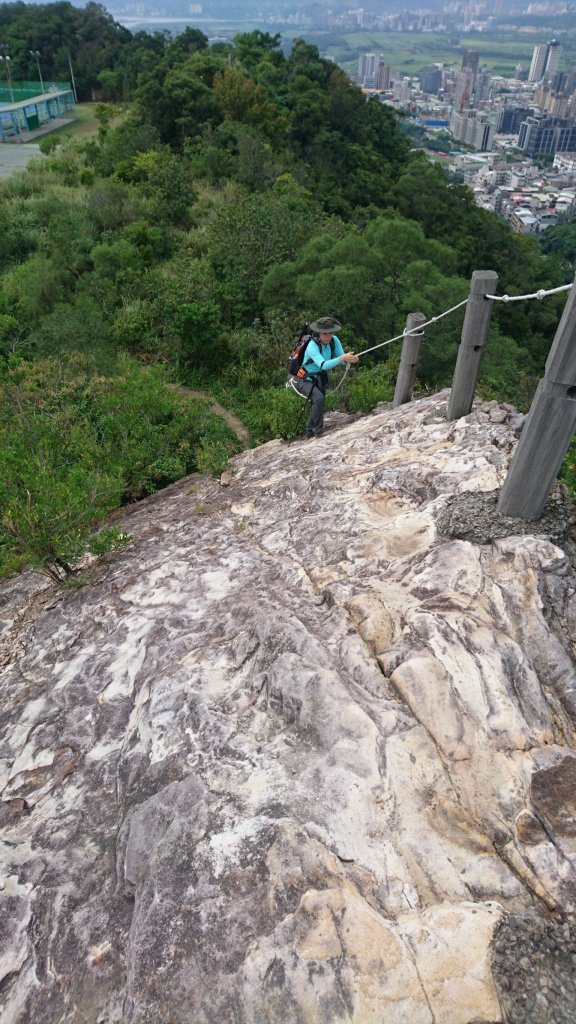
(474, 516)
(534, 969)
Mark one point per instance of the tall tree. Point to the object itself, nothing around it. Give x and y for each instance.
(62, 33)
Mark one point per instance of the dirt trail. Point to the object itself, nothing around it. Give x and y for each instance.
(233, 422)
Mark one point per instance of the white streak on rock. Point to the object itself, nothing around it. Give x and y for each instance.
(275, 765)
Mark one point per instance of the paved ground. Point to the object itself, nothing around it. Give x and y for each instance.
(15, 153)
(13, 157)
(44, 129)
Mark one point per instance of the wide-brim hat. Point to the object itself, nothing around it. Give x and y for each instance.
(325, 325)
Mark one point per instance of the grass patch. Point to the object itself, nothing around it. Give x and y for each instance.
(85, 124)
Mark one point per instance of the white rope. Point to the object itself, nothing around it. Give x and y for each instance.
(290, 384)
(415, 330)
(540, 294)
(405, 333)
(341, 381)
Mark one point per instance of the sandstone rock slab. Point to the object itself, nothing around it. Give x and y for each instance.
(270, 765)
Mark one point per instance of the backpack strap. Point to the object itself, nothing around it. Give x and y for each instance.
(332, 351)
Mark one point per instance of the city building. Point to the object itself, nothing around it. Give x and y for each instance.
(431, 80)
(565, 162)
(550, 100)
(545, 60)
(402, 93)
(537, 136)
(509, 119)
(482, 86)
(523, 221)
(367, 68)
(510, 123)
(383, 76)
(470, 60)
(464, 89)
(543, 135)
(473, 127)
(538, 63)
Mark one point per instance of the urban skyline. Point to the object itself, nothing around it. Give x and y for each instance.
(328, 15)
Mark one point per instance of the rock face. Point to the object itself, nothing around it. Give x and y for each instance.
(295, 755)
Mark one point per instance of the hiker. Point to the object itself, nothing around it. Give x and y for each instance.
(323, 352)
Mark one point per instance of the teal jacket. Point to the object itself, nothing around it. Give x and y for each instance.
(319, 357)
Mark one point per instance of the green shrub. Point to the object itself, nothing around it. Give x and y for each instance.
(51, 515)
(216, 446)
(212, 457)
(272, 412)
(48, 144)
(203, 345)
(75, 444)
(108, 539)
(79, 326)
(370, 386)
(8, 333)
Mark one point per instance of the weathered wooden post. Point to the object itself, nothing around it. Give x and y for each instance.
(549, 426)
(474, 332)
(409, 359)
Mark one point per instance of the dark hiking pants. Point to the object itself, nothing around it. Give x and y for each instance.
(314, 390)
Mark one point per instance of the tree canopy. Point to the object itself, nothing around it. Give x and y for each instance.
(244, 191)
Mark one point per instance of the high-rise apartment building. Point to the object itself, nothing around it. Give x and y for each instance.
(544, 134)
(367, 68)
(537, 136)
(545, 60)
(551, 100)
(470, 60)
(449, 81)
(402, 92)
(509, 119)
(383, 75)
(553, 59)
(558, 82)
(538, 63)
(431, 80)
(464, 89)
(473, 127)
(482, 86)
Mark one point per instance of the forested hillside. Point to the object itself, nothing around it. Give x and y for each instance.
(244, 191)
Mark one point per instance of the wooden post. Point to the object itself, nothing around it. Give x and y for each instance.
(548, 429)
(474, 332)
(409, 359)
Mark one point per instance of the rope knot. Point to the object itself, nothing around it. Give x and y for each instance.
(541, 293)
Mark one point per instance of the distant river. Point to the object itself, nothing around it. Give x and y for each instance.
(225, 25)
